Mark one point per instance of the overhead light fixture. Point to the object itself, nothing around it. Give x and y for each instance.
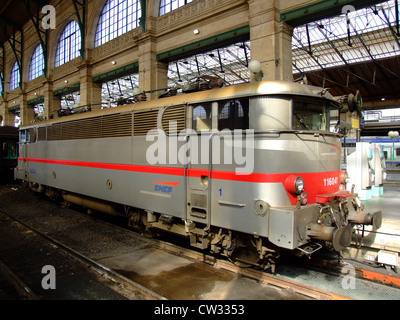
(196, 31)
(393, 134)
(113, 62)
(66, 81)
(255, 67)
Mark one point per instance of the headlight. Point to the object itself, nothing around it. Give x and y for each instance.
(294, 184)
(299, 185)
(303, 198)
(343, 177)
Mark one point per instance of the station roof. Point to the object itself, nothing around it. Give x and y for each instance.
(355, 51)
(15, 14)
(345, 53)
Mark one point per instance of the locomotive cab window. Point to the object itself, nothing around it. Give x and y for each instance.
(310, 114)
(334, 119)
(202, 117)
(233, 114)
(24, 136)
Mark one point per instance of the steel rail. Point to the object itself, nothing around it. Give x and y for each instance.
(21, 287)
(98, 267)
(360, 273)
(259, 275)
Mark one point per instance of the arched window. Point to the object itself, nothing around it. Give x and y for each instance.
(201, 117)
(37, 63)
(1, 82)
(117, 18)
(169, 5)
(69, 44)
(231, 109)
(233, 114)
(15, 77)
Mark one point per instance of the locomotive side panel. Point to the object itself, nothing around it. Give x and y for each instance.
(272, 112)
(240, 206)
(245, 202)
(122, 176)
(288, 227)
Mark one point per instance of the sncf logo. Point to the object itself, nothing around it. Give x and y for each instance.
(165, 187)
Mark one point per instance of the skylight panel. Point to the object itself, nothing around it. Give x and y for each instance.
(370, 38)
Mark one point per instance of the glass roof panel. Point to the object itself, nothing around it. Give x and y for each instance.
(118, 91)
(228, 64)
(363, 35)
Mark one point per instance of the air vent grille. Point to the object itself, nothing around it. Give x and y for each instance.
(174, 119)
(143, 122)
(114, 125)
(117, 125)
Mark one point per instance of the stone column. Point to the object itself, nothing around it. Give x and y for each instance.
(270, 40)
(51, 102)
(27, 113)
(8, 116)
(153, 74)
(90, 92)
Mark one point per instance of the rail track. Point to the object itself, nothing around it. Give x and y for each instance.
(20, 287)
(365, 253)
(292, 288)
(259, 275)
(124, 286)
(131, 288)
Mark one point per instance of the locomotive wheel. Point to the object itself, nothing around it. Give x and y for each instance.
(244, 257)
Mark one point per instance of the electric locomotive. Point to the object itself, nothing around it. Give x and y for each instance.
(246, 170)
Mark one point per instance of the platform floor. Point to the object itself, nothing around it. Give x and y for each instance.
(388, 236)
(389, 203)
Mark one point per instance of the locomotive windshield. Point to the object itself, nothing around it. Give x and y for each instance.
(299, 113)
(314, 115)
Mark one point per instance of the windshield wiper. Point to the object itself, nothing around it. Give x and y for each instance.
(302, 121)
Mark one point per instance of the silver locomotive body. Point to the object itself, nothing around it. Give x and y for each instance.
(250, 165)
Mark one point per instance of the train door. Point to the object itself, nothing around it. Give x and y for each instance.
(22, 168)
(198, 173)
(9, 152)
(9, 149)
